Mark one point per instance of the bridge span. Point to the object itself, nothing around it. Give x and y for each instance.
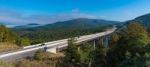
(53, 46)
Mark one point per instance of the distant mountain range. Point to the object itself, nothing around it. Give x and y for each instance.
(70, 24)
(60, 30)
(85, 23)
(81, 22)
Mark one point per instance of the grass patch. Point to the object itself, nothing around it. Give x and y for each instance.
(3, 64)
(7, 47)
(48, 60)
(33, 63)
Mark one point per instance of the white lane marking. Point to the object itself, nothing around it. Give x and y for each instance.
(27, 50)
(32, 46)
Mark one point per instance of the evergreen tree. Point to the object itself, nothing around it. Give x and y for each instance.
(99, 57)
(23, 41)
(85, 53)
(114, 39)
(72, 56)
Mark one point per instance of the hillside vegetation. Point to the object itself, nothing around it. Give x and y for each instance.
(65, 29)
(10, 41)
(127, 48)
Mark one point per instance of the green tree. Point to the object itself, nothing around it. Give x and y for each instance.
(85, 53)
(39, 55)
(99, 57)
(6, 35)
(133, 40)
(23, 41)
(134, 37)
(72, 55)
(114, 40)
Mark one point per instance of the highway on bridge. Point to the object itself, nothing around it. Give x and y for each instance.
(30, 50)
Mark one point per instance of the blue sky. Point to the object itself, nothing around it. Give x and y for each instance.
(49, 11)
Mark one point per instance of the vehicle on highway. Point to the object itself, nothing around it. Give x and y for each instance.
(42, 44)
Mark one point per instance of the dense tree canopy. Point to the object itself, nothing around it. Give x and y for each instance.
(130, 48)
(39, 36)
(6, 35)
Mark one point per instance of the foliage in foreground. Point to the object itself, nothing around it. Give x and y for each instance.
(72, 55)
(131, 48)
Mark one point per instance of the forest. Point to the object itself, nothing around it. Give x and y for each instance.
(46, 35)
(128, 47)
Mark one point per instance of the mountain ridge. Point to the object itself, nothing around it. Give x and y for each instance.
(144, 20)
(76, 23)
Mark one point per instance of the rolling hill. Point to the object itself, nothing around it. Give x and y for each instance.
(81, 23)
(64, 29)
(144, 20)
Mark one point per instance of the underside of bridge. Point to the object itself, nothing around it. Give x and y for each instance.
(101, 41)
